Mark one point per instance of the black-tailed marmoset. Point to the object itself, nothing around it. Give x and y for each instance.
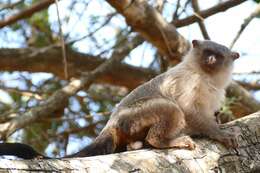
(166, 110)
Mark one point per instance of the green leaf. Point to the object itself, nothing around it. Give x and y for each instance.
(15, 26)
(257, 1)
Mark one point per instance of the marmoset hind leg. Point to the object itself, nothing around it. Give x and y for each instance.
(158, 121)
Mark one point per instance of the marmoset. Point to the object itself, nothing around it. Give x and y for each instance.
(165, 111)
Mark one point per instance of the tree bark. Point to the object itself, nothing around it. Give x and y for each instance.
(50, 61)
(150, 24)
(208, 156)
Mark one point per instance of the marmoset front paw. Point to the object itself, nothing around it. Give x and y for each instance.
(228, 137)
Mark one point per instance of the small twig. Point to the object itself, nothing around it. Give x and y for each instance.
(26, 13)
(202, 26)
(62, 43)
(183, 9)
(109, 17)
(57, 45)
(10, 5)
(118, 42)
(28, 93)
(175, 14)
(87, 117)
(246, 23)
(77, 130)
(223, 6)
(247, 73)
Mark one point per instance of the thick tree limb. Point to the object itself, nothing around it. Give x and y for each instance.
(26, 13)
(152, 26)
(208, 156)
(208, 12)
(50, 61)
(247, 104)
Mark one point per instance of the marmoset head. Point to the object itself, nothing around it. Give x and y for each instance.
(213, 57)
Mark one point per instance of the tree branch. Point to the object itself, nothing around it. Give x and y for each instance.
(208, 12)
(49, 61)
(247, 103)
(208, 156)
(62, 42)
(254, 85)
(246, 23)
(60, 97)
(153, 27)
(26, 13)
(175, 14)
(202, 26)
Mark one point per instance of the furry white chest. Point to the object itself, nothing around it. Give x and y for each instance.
(198, 93)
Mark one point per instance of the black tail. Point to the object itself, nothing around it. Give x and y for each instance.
(20, 150)
(103, 144)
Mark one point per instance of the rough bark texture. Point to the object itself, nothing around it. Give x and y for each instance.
(153, 27)
(208, 156)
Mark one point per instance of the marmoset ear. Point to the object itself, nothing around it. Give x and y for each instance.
(195, 43)
(235, 55)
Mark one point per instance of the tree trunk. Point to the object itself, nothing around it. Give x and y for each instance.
(209, 156)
